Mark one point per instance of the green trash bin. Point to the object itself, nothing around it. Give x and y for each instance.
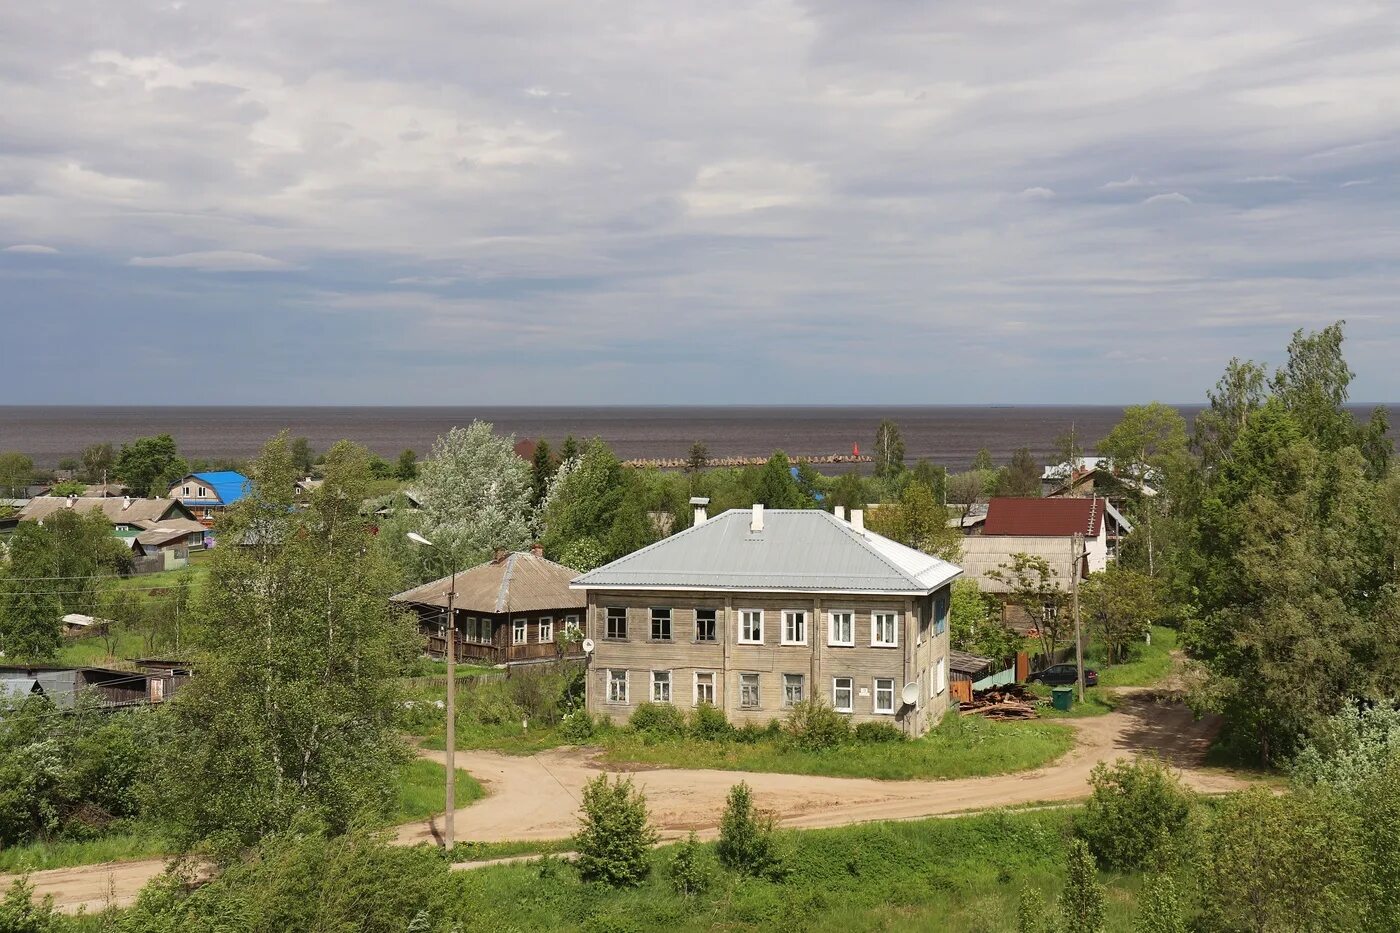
(1063, 698)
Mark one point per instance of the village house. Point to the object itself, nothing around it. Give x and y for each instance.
(150, 682)
(207, 494)
(755, 610)
(129, 517)
(517, 608)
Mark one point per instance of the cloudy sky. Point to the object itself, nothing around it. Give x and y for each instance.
(539, 201)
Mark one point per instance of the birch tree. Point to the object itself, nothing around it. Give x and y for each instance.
(476, 495)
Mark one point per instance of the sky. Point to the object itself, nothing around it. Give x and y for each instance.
(551, 202)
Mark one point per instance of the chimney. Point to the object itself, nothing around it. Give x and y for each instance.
(841, 513)
(700, 514)
(858, 520)
(537, 549)
(756, 523)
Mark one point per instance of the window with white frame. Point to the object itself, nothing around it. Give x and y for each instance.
(748, 691)
(661, 686)
(661, 625)
(841, 628)
(617, 686)
(616, 624)
(793, 689)
(794, 627)
(203, 492)
(187, 490)
(884, 695)
(469, 629)
(546, 630)
(517, 631)
(884, 629)
(842, 694)
(751, 627)
(706, 624)
(570, 624)
(705, 687)
(940, 675)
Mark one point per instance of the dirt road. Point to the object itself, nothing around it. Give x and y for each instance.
(537, 797)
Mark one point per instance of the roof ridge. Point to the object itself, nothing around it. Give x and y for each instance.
(503, 594)
(864, 540)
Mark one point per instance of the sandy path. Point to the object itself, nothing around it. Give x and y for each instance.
(536, 797)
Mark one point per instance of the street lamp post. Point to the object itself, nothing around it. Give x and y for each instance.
(449, 820)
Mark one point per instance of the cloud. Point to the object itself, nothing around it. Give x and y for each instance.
(1174, 197)
(29, 248)
(1037, 194)
(1132, 181)
(1270, 179)
(218, 260)
(1356, 182)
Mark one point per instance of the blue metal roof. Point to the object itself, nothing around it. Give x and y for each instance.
(228, 485)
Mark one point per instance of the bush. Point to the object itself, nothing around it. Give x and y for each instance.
(708, 723)
(615, 836)
(577, 727)
(814, 726)
(1032, 916)
(1159, 909)
(542, 694)
(1083, 903)
(20, 914)
(689, 871)
(1139, 815)
(878, 732)
(658, 720)
(746, 844)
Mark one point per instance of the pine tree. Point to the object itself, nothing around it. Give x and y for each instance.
(776, 487)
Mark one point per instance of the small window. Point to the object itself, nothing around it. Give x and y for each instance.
(748, 691)
(187, 490)
(751, 627)
(617, 686)
(706, 626)
(940, 613)
(546, 630)
(517, 631)
(940, 675)
(842, 694)
(884, 629)
(203, 492)
(617, 624)
(884, 695)
(469, 628)
(841, 628)
(661, 625)
(661, 686)
(794, 627)
(705, 687)
(571, 624)
(793, 689)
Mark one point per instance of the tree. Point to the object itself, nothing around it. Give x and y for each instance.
(918, 522)
(966, 490)
(16, 472)
(983, 463)
(541, 471)
(1034, 586)
(303, 457)
(1118, 605)
(889, 450)
(1021, 477)
(1159, 907)
(291, 718)
(934, 477)
(809, 483)
(1083, 903)
(580, 508)
(1032, 915)
(97, 461)
(632, 528)
(1147, 444)
(746, 843)
(689, 871)
(776, 487)
(615, 835)
(406, 468)
(699, 458)
(569, 450)
(975, 627)
(1237, 395)
(848, 492)
(150, 465)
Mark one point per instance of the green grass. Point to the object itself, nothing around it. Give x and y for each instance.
(961, 746)
(964, 875)
(1149, 664)
(486, 851)
(1097, 701)
(422, 790)
(509, 739)
(92, 650)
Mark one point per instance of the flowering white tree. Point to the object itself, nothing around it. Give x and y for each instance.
(476, 494)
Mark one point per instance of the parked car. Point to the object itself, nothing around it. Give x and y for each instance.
(1059, 674)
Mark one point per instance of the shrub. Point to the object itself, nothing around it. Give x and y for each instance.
(814, 726)
(1032, 916)
(658, 720)
(1083, 902)
(708, 722)
(1159, 908)
(577, 727)
(746, 844)
(615, 836)
(19, 913)
(689, 871)
(750, 733)
(1347, 750)
(878, 732)
(1139, 815)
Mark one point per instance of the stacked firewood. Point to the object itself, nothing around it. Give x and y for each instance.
(1010, 701)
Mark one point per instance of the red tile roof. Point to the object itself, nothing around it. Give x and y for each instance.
(1044, 517)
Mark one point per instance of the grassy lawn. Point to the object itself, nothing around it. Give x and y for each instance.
(509, 739)
(422, 792)
(962, 746)
(92, 650)
(486, 851)
(1148, 664)
(1097, 701)
(964, 874)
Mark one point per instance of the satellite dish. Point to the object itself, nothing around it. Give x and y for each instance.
(588, 646)
(910, 694)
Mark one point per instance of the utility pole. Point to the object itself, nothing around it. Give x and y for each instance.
(1076, 550)
(450, 819)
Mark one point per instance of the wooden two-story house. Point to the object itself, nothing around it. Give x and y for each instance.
(755, 610)
(512, 609)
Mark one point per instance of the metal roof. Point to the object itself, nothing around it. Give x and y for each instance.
(796, 550)
(520, 582)
(983, 554)
(1031, 516)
